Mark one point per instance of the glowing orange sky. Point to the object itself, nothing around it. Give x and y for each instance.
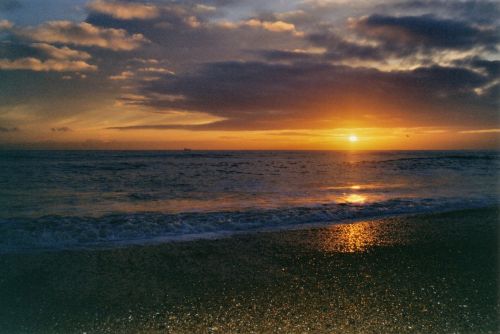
(248, 75)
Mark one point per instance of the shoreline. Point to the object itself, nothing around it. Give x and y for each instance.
(429, 273)
(223, 234)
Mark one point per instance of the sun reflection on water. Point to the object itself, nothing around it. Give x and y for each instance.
(357, 193)
(355, 199)
(349, 238)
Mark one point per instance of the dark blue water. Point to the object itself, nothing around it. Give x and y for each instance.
(64, 199)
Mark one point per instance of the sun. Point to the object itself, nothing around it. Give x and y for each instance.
(353, 138)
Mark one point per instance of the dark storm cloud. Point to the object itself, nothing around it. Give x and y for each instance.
(479, 11)
(256, 95)
(20, 55)
(15, 49)
(12, 49)
(48, 97)
(489, 67)
(285, 55)
(493, 93)
(427, 31)
(339, 48)
(173, 16)
(399, 37)
(492, 67)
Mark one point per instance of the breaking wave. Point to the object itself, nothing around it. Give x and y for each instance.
(112, 230)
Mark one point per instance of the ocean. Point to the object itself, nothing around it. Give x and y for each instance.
(52, 200)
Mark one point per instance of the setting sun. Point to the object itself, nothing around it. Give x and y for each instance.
(353, 138)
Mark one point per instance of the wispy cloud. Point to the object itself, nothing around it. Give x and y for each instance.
(480, 131)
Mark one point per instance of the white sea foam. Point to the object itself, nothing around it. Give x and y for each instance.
(67, 232)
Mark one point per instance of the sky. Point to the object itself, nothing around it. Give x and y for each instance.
(249, 74)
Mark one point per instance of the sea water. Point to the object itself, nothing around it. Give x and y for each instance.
(72, 199)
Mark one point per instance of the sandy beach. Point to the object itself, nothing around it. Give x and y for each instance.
(419, 274)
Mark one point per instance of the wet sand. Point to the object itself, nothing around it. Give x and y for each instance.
(421, 274)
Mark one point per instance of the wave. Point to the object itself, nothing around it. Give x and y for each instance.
(70, 232)
(437, 158)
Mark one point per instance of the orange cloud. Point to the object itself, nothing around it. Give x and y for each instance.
(5, 25)
(56, 65)
(273, 26)
(61, 53)
(123, 10)
(277, 26)
(84, 34)
(122, 76)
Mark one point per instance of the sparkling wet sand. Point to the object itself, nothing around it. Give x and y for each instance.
(422, 274)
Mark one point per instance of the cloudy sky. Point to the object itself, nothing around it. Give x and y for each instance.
(249, 74)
